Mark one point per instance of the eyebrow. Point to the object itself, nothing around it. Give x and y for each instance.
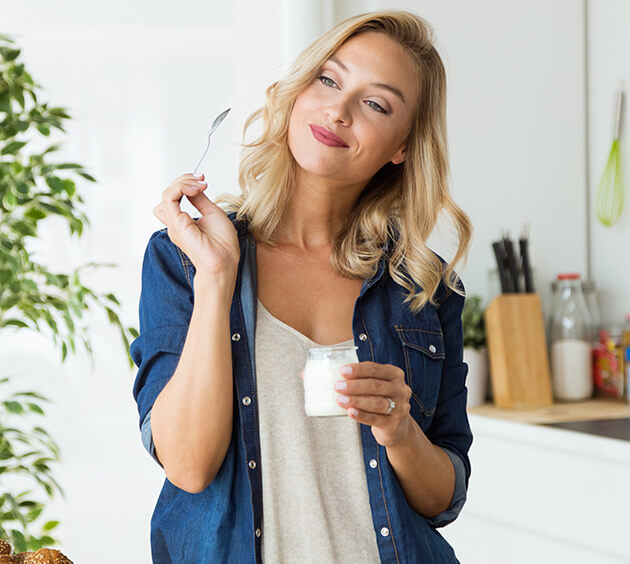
(392, 89)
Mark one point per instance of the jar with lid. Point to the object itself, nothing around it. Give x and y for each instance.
(570, 336)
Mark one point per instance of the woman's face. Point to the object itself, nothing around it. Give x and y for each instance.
(366, 95)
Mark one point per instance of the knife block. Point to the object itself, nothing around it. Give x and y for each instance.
(517, 352)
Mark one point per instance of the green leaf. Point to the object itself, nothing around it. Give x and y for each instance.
(32, 395)
(55, 183)
(34, 513)
(20, 98)
(34, 407)
(24, 228)
(50, 525)
(9, 201)
(113, 318)
(69, 187)
(5, 102)
(12, 148)
(13, 407)
(9, 54)
(87, 176)
(44, 130)
(35, 213)
(69, 165)
(52, 148)
(112, 298)
(14, 323)
(19, 542)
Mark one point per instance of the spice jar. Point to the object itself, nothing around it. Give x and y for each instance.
(570, 336)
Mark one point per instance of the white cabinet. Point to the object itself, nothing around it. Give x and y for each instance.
(543, 495)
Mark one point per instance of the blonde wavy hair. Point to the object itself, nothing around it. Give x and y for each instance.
(402, 200)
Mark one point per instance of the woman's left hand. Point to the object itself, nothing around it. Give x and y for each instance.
(367, 389)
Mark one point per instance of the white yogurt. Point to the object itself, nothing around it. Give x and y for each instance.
(320, 374)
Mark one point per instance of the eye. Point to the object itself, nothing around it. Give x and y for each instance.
(323, 79)
(376, 107)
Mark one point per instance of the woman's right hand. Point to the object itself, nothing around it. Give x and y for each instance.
(211, 242)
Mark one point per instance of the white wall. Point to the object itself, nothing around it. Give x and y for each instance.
(608, 64)
(516, 127)
(144, 80)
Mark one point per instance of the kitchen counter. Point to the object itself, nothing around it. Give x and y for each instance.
(602, 417)
(547, 485)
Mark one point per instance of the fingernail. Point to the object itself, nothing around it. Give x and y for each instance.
(341, 385)
(346, 369)
(343, 399)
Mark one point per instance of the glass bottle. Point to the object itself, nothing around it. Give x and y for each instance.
(592, 303)
(570, 335)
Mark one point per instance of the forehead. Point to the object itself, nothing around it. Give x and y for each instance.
(379, 58)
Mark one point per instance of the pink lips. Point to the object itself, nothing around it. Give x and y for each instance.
(327, 137)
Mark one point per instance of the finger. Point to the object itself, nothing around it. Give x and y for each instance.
(371, 419)
(370, 387)
(368, 369)
(368, 404)
(177, 220)
(204, 204)
(188, 176)
(171, 199)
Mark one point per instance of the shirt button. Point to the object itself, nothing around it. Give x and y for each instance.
(373, 463)
(363, 336)
(432, 348)
(385, 531)
(236, 337)
(246, 400)
(258, 533)
(252, 464)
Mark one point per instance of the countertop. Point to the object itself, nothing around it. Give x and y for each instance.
(601, 417)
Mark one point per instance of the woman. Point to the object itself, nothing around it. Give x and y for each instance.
(325, 245)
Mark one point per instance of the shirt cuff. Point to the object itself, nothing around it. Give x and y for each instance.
(459, 495)
(147, 436)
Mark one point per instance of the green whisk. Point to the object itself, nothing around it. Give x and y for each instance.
(610, 190)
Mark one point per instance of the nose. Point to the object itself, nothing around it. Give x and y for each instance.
(338, 111)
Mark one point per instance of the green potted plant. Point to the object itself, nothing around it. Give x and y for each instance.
(32, 297)
(475, 350)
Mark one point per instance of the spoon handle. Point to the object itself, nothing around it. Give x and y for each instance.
(202, 156)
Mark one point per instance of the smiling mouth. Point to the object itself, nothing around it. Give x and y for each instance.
(327, 138)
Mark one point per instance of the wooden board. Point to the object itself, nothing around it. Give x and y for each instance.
(517, 352)
(558, 412)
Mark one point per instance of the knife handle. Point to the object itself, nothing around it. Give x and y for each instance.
(513, 267)
(527, 271)
(499, 254)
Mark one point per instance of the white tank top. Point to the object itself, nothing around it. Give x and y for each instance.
(316, 507)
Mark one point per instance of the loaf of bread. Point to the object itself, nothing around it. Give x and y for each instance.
(42, 556)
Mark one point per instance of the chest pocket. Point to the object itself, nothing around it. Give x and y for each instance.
(423, 352)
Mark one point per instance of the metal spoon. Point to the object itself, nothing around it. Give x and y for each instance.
(217, 121)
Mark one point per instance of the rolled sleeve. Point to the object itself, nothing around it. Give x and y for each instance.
(165, 310)
(459, 495)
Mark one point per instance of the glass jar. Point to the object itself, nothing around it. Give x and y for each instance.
(321, 372)
(570, 336)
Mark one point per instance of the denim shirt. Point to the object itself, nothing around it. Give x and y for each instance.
(223, 523)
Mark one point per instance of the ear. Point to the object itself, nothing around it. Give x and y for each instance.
(399, 156)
